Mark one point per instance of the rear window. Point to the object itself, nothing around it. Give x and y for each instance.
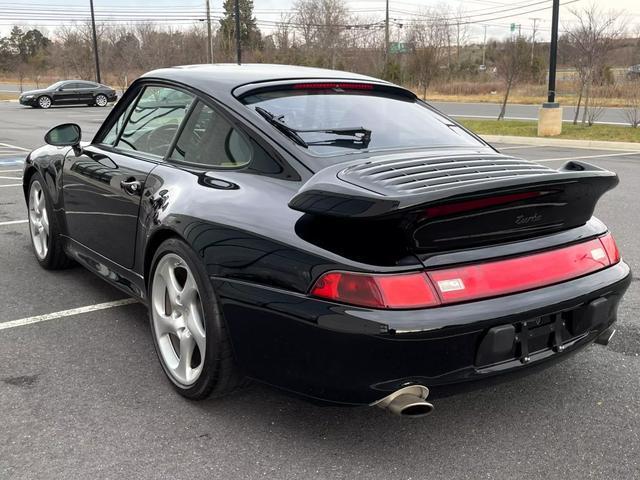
(394, 120)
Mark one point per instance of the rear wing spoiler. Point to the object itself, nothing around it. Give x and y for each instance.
(392, 184)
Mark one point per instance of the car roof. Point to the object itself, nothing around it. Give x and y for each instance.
(220, 79)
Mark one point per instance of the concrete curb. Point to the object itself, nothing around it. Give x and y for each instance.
(559, 142)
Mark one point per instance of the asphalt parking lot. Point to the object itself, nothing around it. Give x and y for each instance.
(82, 394)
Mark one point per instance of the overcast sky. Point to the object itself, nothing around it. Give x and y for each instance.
(496, 14)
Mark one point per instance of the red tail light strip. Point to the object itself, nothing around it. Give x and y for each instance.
(469, 205)
(328, 86)
(468, 282)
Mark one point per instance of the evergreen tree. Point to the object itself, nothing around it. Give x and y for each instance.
(250, 36)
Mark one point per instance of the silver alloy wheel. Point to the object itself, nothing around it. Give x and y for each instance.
(101, 100)
(38, 220)
(178, 320)
(44, 102)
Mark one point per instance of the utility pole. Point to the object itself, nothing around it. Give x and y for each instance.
(95, 42)
(238, 44)
(386, 40)
(209, 37)
(484, 45)
(533, 38)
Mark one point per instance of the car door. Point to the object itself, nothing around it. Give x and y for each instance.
(103, 186)
(85, 92)
(65, 94)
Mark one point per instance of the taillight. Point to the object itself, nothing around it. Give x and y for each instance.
(518, 274)
(611, 248)
(378, 291)
(468, 282)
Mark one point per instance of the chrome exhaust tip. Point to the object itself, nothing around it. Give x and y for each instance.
(407, 402)
(605, 337)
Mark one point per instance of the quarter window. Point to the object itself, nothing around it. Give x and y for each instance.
(112, 136)
(209, 139)
(154, 121)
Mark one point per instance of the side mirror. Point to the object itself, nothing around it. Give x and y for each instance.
(65, 135)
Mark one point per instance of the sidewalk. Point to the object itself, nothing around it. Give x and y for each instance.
(558, 142)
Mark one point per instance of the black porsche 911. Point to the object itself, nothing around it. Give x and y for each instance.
(69, 92)
(326, 233)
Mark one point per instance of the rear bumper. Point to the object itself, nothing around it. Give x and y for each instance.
(352, 355)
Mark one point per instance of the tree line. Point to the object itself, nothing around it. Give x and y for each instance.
(433, 47)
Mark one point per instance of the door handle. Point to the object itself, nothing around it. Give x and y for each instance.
(131, 186)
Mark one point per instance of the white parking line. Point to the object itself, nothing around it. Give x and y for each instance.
(13, 222)
(10, 171)
(9, 178)
(8, 145)
(580, 157)
(65, 313)
(11, 185)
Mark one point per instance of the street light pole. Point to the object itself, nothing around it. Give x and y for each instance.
(238, 45)
(550, 115)
(553, 52)
(95, 42)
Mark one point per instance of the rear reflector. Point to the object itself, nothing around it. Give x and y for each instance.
(468, 282)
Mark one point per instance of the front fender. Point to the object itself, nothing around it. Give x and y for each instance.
(48, 161)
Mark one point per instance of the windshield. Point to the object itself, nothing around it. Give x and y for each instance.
(55, 85)
(394, 121)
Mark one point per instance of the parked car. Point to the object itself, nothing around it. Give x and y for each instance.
(633, 72)
(69, 92)
(327, 233)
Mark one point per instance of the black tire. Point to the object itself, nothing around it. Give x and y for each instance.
(219, 375)
(55, 257)
(44, 101)
(101, 100)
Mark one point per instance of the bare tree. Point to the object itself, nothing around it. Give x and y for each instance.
(512, 64)
(322, 24)
(632, 110)
(590, 40)
(430, 40)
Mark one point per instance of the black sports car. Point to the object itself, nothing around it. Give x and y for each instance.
(327, 233)
(69, 92)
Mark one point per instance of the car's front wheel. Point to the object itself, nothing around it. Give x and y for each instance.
(45, 239)
(101, 100)
(188, 330)
(44, 101)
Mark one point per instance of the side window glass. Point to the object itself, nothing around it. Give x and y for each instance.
(111, 137)
(209, 139)
(154, 120)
